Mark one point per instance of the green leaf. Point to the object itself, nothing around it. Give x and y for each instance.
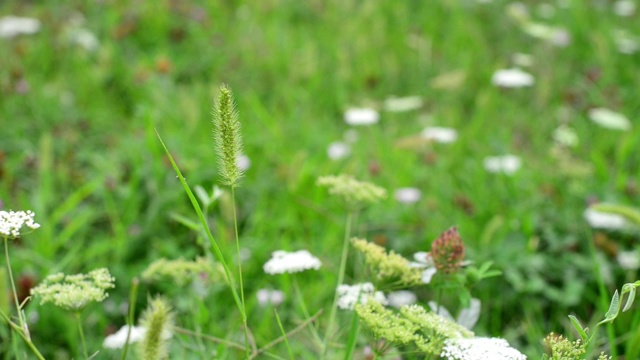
(579, 329)
(614, 308)
(631, 289)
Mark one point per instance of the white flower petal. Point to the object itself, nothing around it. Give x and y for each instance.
(506, 164)
(338, 150)
(609, 119)
(628, 260)
(361, 116)
(602, 220)
(512, 78)
(400, 298)
(407, 195)
(12, 26)
(468, 317)
(440, 310)
(427, 274)
(284, 262)
(440, 134)
(118, 340)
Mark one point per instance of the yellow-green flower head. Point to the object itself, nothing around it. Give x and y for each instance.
(12, 223)
(228, 141)
(180, 271)
(353, 192)
(388, 266)
(74, 292)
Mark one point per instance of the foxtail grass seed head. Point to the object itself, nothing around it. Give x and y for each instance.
(291, 262)
(228, 141)
(14, 223)
(352, 191)
(158, 319)
(447, 251)
(74, 292)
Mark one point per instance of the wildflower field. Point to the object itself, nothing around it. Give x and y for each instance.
(319, 179)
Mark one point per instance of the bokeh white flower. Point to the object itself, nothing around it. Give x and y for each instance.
(440, 134)
(12, 26)
(291, 262)
(601, 220)
(628, 260)
(119, 338)
(480, 349)
(624, 8)
(505, 164)
(407, 195)
(522, 59)
(243, 162)
(609, 119)
(361, 116)
(338, 150)
(401, 104)
(83, 38)
(423, 260)
(401, 298)
(626, 42)
(512, 78)
(468, 317)
(267, 296)
(350, 295)
(565, 136)
(13, 222)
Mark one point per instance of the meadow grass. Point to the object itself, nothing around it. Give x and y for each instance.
(78, 146)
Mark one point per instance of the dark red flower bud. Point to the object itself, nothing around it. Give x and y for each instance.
(447, 251)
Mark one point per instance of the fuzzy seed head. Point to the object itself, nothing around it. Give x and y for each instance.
(158, 320)
(447, 251)
(228, 141)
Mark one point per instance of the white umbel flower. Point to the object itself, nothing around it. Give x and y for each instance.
(407, 195)
(480, 349)
(440, 134)
(350, 295)
(602, 220)
(273, 297)
(609, 119)
(512, 78)
(118, 340)
(401, 298)
(506, 164)
(12, 26)
(285, 262)
(361, 116)
(12, 222)
(338, 150)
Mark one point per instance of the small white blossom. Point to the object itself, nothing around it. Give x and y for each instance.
(609, 119)
(83, 38)
(628, 260)
(12, 222)
(273, 297)
(480, 349)
(118, 340)
(512, 78)
(602, 220)
(361, 116)
(12, 26)
(338, 150)
(626, 43)
(468, 317)
(350, 295)
(401, 298)
(440, 134)
(243, 162)
(401, 104)
(506, 164)
(285, 262)
(624, 8)
(407, 195)
(423, 260)
(566, 136)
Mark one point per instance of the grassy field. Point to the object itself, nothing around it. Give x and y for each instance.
(81, 100)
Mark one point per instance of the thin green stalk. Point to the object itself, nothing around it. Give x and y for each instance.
(84, 344)
(203, 222)
(438, 300)
(133, 294)
(305, 310)
(341, 273)
(284, 334)
(23, 323)
(18, 330)
(244, 311)
(353, 336)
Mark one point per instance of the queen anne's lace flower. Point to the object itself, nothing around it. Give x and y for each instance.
(480, 349)
(363, 116)
(285, 262)
(506, 164)
(512, 78)
(119, 339)
(12, 222)
(12, 26)
(74, 292)
(350, 295)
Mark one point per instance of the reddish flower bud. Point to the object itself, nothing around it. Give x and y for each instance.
(447, 251)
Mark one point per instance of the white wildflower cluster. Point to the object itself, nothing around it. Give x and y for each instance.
(602, 220)
(361, 116)
(480, 349)
(350, 295)
(512, 78)
(440, 134)
(74, 292)
(119, 339)
(506, 164)
(285, 262)
(12, 26)
(267, 296)
(401, 298)
(407, 195)
(11, 222)
(609, 119)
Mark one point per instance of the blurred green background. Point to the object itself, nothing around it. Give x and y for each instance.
(80, 99)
